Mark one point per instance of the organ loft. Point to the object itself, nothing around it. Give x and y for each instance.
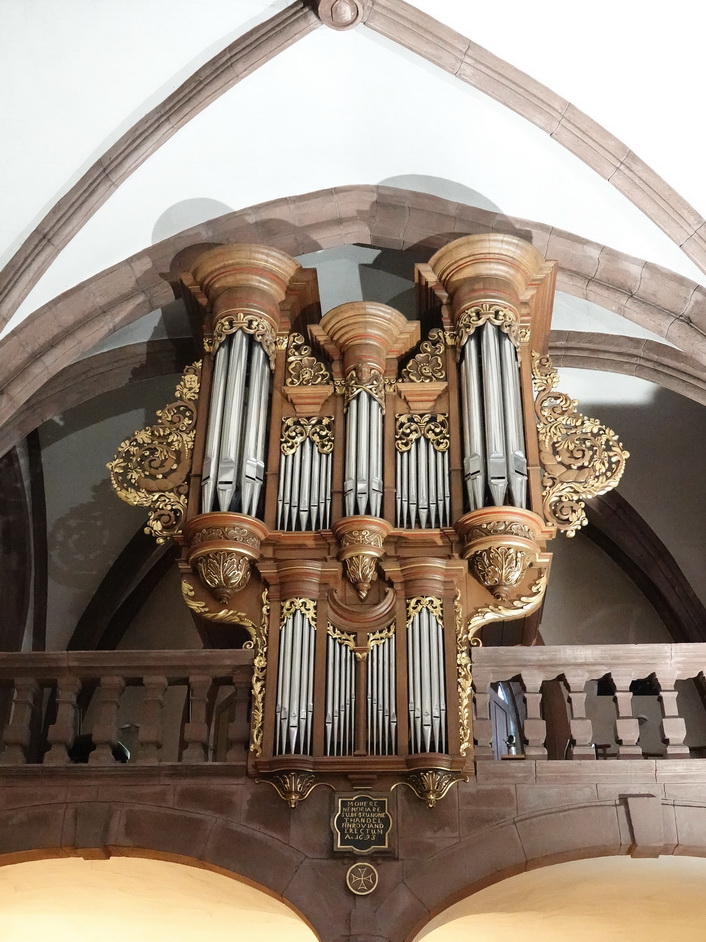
(356, 495)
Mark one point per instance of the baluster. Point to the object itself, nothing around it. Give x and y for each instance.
(239, 727)
(673, 725)
(196, 730)
(535, 728)
(105, 731)
(627, 729)
(482, 723)
(62, 733)
(581, 726)
(150, 733)
(18, 731)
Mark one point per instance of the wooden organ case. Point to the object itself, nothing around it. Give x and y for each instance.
(356, 495)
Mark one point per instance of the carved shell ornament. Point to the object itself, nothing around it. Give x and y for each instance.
(581, 457)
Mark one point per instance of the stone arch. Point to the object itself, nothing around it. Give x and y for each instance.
(73, 323)
(418, 32)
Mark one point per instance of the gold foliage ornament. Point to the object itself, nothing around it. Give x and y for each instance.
(431, 784)
(296, 430)
(303, 369)
(500, 568)
(152, 467)
(252, 324)
(434, 426)
(224, 572)
(428, 365)
(466, 638)
(487, 312)
(581, 457)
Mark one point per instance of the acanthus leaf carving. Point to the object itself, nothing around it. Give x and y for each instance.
(151, 468)
(434, 426)
(427, 366)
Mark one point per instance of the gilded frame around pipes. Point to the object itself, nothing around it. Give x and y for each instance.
(306, 606)
(152, 467)
(431, 603)
(252, 324)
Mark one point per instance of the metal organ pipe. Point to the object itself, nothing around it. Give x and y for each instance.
(294, 708)
(514, 431)
(427, 690)
(382, 712)
(472, 412)
(363, 484)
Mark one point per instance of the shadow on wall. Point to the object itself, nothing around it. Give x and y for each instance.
(185, 214)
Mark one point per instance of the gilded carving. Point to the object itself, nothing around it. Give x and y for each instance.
(487, 312)
(303, 368)
(226, 616)
(306, 606)
(151, 469)
(363, 378)
(500, 528)
(295, 430)
(342, 636)
(581, 458)
(361, 571)
(252, 324)
(236, 534)
(258, 643)
(293, 787)
(363, 537)
(545, 375)
(500, 568)
(467, 637)
(427, 366)
(225, 572)
(433, 605)
(465, 677)
(434, 426)
(432, 784)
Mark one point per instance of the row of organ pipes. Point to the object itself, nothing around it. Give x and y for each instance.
(494, 472)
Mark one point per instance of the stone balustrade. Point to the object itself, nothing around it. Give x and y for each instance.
(616, 701)
(107, 707)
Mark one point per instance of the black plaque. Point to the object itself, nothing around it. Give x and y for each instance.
(361, 824)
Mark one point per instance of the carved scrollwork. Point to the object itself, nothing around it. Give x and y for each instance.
(545, 375)
(343, 636)
(258, 643)
(432, 604)
(467, 638)
(427, 366)
(500, 568)
(306, 606)
(295, 430)
(151, 468)
(434, 426)
(487, 312)
(303, 368)
(581, 457)
(252, 324)
(364, 537)
(235, 534)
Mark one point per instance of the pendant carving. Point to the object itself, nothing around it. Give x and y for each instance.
(224, 572)
(151, 469)
(430, 785)
(361, 541)
(500, 568)
(581, 458)
(222, 547)
(293, 787)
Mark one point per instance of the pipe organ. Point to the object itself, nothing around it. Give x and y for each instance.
(355, 495)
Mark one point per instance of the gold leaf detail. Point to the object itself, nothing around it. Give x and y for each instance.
(295, 430)
(252, 324)
(432, 784)
(487, 312)
(151, 469)
(415, 605)
(465, 677)
(303, 369)
(306, 606)
(427, 366)
(257, 712)
(500, 568)
(500, 528)
(434, 426)
(225, 572)
(361, 571)
(362, 537)
(581, 458)
(367, 379)
(347, 639)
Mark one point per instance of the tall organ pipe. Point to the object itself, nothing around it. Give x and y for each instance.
(233, 408)
(514, 431)
(472, 410)
(215, 422)
(363, 484)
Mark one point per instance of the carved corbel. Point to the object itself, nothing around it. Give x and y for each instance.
(221, 548)
(361, 547)
(431, 785)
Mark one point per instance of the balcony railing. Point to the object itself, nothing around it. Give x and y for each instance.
(107, 707)
(149, 707)
(609, 701)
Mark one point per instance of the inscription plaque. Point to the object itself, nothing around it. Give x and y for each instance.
(361, 824)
